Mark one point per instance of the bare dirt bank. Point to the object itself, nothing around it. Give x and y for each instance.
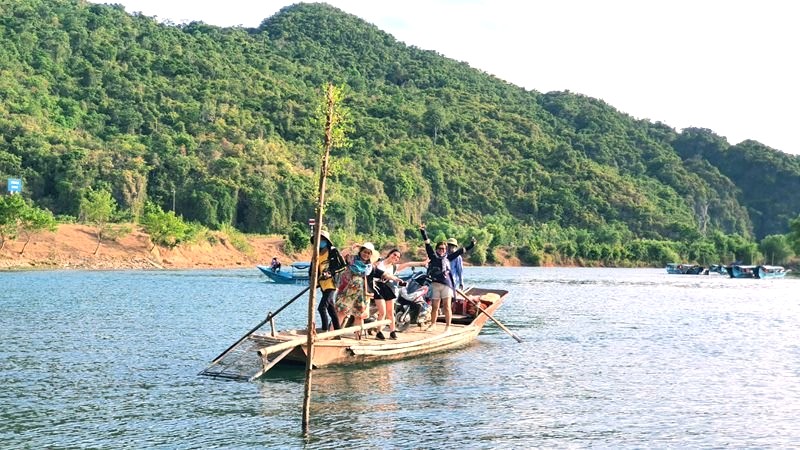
(72, 247)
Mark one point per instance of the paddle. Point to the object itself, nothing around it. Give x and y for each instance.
(478, 306)
(269, 316)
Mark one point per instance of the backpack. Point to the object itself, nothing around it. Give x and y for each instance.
(436, 270)
(336, 262)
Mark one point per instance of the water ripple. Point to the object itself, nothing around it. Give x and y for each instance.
(611, 358)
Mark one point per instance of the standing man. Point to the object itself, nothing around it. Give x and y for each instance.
(456, 265)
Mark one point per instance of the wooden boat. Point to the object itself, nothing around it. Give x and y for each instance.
(260, 351)
(685, 269)
(771, 271)
(296, 273)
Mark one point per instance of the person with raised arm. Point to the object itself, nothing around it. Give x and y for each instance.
(442, 286)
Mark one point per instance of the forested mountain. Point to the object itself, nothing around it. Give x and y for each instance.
(222, 123)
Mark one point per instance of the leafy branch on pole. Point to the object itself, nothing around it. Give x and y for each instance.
(336, 124)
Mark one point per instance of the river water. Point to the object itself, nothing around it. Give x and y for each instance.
(611, 358)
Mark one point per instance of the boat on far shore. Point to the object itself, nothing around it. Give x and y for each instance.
(296, 273)
(718, 268)
(772, 271)
(685, 269)
(753, 271)
(742, 271)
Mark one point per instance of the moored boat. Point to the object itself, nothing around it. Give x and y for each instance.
(684, 269)
(767, 271)
(718, 268)
(260, 351)
(742, 271)
(297, 273)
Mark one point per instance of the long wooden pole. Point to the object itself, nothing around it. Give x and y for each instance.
(254, 329)
(478, 305)
(323, 174)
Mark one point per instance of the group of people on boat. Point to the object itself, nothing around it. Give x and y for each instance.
(350, 283)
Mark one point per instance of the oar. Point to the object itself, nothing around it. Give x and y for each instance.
(478, 305)
(269, 316)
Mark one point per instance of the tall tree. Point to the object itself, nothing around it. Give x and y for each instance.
(794, 235)
(97, 208)
(12, 208)
(33, 221)
(775, 248)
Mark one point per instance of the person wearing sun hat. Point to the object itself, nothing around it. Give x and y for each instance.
(439, 271)
(456, 265)
(354, 291)
(329, 264)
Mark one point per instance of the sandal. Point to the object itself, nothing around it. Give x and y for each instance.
(393, 335)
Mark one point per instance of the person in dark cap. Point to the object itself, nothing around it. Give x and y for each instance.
(275, 265)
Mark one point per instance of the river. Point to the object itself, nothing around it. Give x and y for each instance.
(611, 358)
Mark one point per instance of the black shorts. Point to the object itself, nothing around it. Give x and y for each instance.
(384, 291)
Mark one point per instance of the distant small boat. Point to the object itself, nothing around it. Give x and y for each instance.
(296, 273)
(742, 271)
(684, 269)
(718, 268)
(771, 272)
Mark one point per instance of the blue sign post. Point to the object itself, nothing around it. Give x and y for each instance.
(14, 185)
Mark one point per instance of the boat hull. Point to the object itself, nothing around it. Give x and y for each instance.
(740, 271)
(345, 353)
(685, 269)
(411, 343)
(771, 271)
(284, 277)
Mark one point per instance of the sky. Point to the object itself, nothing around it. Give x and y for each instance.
(726, 65)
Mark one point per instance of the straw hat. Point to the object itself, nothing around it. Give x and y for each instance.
(452, 241)
(371, 247)
(326, 235)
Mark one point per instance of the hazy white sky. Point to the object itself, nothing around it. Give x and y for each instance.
(727, 65)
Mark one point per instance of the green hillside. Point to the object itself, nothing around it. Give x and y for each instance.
(222, 123)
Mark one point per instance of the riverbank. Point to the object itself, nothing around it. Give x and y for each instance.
(73, 246)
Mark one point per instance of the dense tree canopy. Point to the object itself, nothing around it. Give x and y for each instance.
(218, 126)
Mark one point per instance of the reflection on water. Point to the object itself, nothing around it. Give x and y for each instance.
(615, 358)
